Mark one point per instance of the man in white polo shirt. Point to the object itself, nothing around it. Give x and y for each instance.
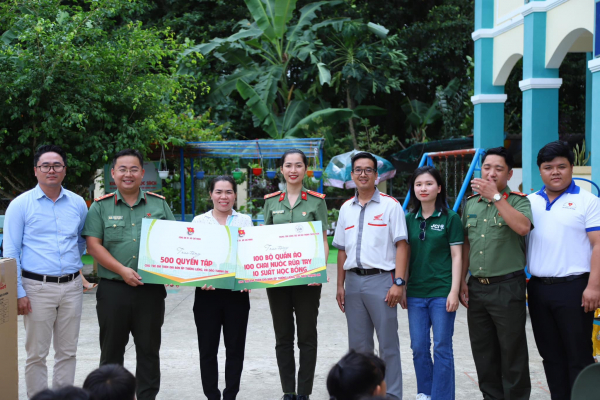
(371, 238)
(563, 258)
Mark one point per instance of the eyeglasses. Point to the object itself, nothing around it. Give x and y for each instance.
(423, 226)
(367, 171)
(133, 171)
(46, 168)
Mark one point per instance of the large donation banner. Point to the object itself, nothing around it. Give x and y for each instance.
(226, 257)
(280, 255)
(187, 254)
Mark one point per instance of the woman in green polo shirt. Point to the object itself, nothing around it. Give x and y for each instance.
(435, 236)
(295, 204)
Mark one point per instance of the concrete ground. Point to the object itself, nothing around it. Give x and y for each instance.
(260, 379)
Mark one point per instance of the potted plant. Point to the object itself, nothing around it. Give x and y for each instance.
(271, 173)
(256, 169)
(318, 173)
(310, 173)
(237, 174)
(163, 173)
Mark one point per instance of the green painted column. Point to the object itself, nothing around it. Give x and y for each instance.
(540, 98)
(488, 100)
(594, 67)
(588, 107)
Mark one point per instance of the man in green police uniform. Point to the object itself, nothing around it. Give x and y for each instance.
(495, 221)
(124, 303)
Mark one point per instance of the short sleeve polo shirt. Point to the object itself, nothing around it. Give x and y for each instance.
(368, 234)
(559, 246)
(430, 268)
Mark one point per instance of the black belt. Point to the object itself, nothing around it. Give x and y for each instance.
(371, 271)
(47, 278)
(562, 279)
(497, 279)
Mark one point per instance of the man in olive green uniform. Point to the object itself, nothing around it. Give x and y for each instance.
(303, 300)
(495, 221)
(124, 303)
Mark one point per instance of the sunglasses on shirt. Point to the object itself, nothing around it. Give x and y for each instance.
(423, 226)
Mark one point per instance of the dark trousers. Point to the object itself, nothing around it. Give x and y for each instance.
(562, 331)
(214, 309)
(124, 309)
(496, 318)
(303, 301)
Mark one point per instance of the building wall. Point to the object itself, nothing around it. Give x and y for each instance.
(565, 24)
(508, 49)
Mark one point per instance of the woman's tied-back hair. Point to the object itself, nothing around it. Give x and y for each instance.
(356, 375)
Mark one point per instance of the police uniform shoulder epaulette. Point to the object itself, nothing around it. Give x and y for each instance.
(316, 194)
(106, 196)
(268, 196)
(156, 195)
(519, 194)
(473, 195)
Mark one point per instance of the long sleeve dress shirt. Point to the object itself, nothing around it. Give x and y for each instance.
(44, 236)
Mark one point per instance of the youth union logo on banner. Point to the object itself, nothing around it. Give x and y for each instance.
(190, 231)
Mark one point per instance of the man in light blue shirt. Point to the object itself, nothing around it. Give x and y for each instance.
(42, 231)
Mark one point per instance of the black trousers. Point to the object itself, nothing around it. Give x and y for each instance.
(303, 301)
(562, 331)
(496, 317)
(214, 309)
(124, 309)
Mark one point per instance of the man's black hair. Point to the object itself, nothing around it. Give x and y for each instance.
(502, 152)
(355, 375)
(364, 154)
(111, 382)
(555, 149)
(128, 152)
(49, 148)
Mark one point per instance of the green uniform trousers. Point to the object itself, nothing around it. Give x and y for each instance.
(496, 317)
(284, 303)
(124, 309)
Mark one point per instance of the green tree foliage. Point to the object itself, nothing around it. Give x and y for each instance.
(85, 78)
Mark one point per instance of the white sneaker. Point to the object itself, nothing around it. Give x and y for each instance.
(422, 396)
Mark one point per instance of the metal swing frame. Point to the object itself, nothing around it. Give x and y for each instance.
(475, 166)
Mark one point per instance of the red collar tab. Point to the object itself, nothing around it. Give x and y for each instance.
(281, 197)
(115, 200)
(304, 195)
(479, 198)
(505, 195)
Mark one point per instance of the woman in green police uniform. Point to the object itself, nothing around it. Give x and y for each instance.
(295, 204)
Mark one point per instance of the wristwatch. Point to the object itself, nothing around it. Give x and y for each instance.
(399, 281)
(497, 197)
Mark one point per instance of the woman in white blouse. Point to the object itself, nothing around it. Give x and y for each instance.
(216, 308)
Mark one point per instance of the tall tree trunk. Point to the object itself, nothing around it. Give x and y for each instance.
(352, 106)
